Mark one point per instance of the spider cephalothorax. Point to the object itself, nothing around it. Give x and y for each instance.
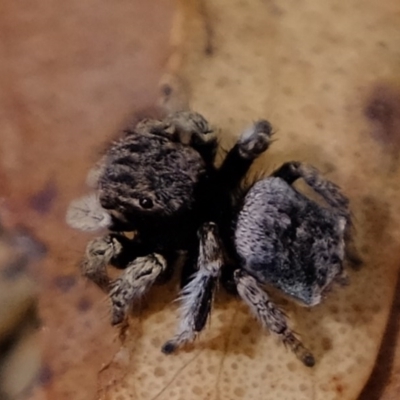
(160, 182)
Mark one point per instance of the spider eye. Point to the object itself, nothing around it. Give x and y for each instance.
(146, 203)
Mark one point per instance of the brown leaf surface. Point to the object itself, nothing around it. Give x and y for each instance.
(324, 73)
(326, 76)
(71, 73)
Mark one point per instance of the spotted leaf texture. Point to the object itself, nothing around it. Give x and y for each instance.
(324, 73)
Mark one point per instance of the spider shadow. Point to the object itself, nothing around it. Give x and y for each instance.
(357, 304)
(241, 333)
(159, 297)
(381, 374)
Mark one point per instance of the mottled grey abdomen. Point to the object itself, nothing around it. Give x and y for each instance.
(287, 240)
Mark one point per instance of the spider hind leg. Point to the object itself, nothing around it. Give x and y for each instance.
(270, 316)
(291, 171)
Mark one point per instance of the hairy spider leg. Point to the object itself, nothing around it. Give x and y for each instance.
(251, 143)
(291, 171)
(99, 253)
(192, 129)
(133, 283)
(197, 295)
(270, 316)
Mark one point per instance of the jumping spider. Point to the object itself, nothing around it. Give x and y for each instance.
(160, 182)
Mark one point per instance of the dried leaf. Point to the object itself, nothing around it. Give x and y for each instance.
(325, 75)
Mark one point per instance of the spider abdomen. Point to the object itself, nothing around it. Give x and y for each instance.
(287, 240)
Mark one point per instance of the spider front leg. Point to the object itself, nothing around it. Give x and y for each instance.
(133, 283)
(99, 253)
(253, 142)
(192, 129)
(270, 316)
(197, 295)
(291, 171)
